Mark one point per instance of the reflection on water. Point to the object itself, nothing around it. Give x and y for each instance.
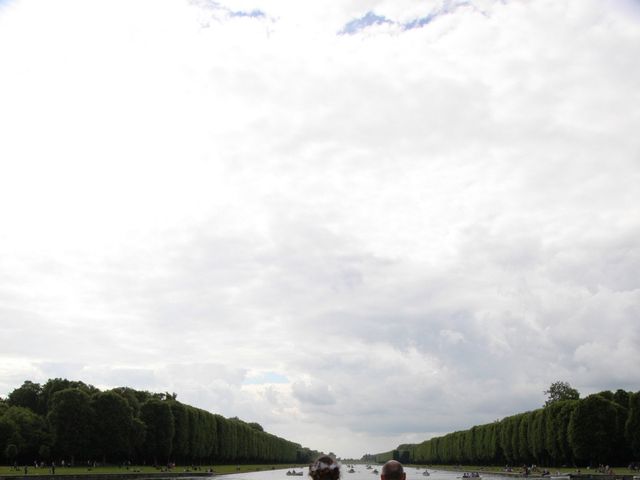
(361, 473)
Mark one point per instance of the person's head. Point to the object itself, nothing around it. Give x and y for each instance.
(392, 470)
(324, 468)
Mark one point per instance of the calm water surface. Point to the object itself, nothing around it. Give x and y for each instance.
(361, 473)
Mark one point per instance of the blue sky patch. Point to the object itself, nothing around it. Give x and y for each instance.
(219, 8)
(370, 18)
(252, 14)
(419, 22)
(367, 20)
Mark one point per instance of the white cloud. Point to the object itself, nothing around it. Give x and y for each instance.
(193, 201)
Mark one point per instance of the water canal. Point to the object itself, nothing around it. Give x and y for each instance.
(361, 473)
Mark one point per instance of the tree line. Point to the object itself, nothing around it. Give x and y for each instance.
(76, 422)
(603, 428)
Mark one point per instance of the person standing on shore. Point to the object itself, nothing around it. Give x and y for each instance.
(392, 470)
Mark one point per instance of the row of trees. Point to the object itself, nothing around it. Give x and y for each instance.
(603, 428)
(71, 420)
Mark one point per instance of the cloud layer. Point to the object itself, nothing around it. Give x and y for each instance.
(356, 240)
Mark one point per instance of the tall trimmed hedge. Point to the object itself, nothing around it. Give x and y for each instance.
(602, 428)
(76, 422)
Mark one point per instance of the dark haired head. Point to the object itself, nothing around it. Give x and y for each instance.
(324, 468)
(392, 470)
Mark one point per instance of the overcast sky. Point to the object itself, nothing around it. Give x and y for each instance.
(359, 223)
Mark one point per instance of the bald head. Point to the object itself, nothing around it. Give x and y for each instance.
(392, 470)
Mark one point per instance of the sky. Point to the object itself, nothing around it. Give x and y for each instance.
(359, 223)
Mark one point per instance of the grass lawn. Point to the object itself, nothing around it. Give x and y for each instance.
(500, 469)
(220, 469)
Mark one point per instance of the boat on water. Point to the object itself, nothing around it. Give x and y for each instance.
(375, 471)
(294, 473)
(426, 473)
(351, 470)
(470, 475)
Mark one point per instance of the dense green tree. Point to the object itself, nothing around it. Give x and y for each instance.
(44, 452)
(181, 450)
(562, 430)
(8, 433)
(559, 391)
(112, 425)
(29, 433)
(138, 436)
(621, 447)
(591, 429)
(11, 452)
(84, 423)
(632, 425)
(492, 445)
(27, 396)
(156, 415)
(515, 437)
(608, 394)
(70, 417)
(621, 397)
(552, 447)
(603, 428)
(537, 436)
(132, 398)
(54, 385)
(256, 426)
(524, 453)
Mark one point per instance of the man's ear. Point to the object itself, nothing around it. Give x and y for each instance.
(404, 475)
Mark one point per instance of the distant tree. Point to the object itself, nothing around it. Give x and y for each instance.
(138, 435)
(632, 426)
(130, 397)
(608, 394)
(70, 418)
(81, 423)
(44, 452)
(592, 427)
(112, 424)
(11, 452)
(29, 433)
(559, 391)
(156, 415)
(256, 426)
(621, 397)
(8, 433)
(54, 385)
(27, 396)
